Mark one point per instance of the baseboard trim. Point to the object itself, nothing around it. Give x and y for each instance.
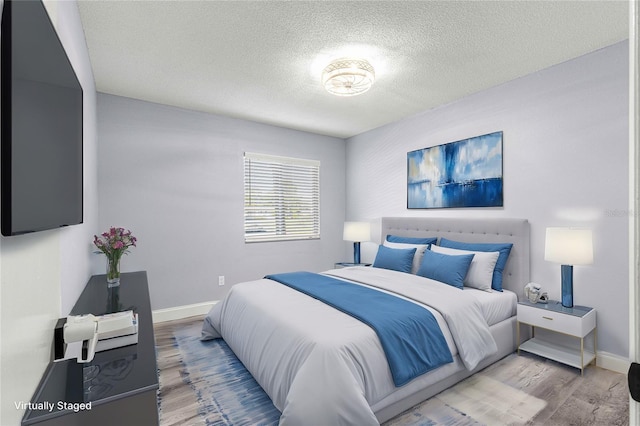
(180, 312)
(613, 362)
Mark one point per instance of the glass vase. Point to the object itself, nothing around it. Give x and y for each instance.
(113, 272)
(113, 300)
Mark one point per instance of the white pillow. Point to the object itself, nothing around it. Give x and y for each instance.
(480, 272)
(417, 258)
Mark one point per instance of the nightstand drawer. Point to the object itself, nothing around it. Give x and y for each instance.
(557, 321)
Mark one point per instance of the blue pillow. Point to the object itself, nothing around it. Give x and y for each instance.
(503, 248)
(395, 259)
(411, 240)
(449, 269)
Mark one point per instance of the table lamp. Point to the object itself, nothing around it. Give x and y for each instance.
(356, 232)
(568, 247)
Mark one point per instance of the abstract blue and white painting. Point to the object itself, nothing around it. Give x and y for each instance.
(466, 173)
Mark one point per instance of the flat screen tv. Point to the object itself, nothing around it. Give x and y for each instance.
(41, 125)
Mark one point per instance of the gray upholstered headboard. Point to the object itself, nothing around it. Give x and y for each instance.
(516, 231)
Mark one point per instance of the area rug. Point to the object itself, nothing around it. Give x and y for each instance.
(227, 394)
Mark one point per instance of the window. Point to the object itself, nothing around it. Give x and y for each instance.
(281, 198)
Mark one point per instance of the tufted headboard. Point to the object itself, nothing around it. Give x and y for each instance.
(516, 231)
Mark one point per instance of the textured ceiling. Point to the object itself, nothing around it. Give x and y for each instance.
(262, 60)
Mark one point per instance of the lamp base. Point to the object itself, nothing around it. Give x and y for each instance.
(566, 272)
(356, 253)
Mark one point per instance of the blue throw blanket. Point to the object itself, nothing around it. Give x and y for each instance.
(409, 333)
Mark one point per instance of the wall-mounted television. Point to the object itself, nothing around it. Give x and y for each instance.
(41, 124)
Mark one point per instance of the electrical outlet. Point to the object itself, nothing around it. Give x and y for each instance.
(221, 280)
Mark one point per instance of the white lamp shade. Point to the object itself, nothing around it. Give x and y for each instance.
(357, 231)
(569, 246)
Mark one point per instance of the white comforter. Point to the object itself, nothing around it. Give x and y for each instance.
(321, 366)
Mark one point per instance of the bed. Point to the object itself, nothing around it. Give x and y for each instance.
(321, 366)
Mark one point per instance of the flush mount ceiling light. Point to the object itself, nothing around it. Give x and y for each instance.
(348, 77)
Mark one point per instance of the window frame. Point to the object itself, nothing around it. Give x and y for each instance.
(281, 198)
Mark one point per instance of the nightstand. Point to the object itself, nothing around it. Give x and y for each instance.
(577, 322)
(340, 265)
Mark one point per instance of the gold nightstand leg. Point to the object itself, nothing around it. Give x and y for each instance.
(595, 346)
(518, 336)
(582, 356)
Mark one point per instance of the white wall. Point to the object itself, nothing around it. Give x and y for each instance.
(175, 178)
(42, 274)
(565, 157)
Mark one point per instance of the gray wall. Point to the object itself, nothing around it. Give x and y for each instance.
(175, 178)
(565, 157)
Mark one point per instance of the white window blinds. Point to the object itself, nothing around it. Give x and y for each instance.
(281, 198)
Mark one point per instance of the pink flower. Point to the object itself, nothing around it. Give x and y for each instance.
(115, 242)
